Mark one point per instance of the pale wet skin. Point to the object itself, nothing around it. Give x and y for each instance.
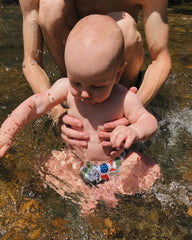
(30, 211)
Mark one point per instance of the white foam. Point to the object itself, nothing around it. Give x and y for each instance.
(177, 122)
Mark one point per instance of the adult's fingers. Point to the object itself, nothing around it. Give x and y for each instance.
(74, 142)
(133, 89)
(73, 122)
(119, 122)
(73, 134)
(104, 136)
(106, 144)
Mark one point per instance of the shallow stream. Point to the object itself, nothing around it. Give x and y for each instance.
(29, 211)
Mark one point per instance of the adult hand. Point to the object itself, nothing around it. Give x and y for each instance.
(72, 132)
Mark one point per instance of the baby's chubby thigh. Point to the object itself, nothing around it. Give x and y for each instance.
(137, 173)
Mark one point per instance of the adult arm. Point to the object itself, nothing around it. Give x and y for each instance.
(33, 49)
(156, 32)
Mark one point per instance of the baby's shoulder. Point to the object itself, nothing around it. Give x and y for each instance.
(130, 95)
(62, 83)
(60, 87)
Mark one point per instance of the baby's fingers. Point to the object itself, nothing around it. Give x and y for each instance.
(120, 141)
(4, 149)
(113, 137)
(128, 142)
(117, 139)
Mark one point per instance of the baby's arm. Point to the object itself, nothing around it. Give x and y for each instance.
(143, 125)
(32, 108)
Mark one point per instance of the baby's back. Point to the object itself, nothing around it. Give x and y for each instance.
(93, 118)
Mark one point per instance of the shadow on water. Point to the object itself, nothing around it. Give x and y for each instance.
(29, 211)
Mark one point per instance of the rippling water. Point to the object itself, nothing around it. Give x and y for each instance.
(30, 211)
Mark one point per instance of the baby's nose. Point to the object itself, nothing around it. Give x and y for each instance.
(85, 94)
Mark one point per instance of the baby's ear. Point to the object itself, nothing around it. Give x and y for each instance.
(120, 72)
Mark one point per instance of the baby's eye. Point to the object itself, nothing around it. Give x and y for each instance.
(97, 87)
(76, 84)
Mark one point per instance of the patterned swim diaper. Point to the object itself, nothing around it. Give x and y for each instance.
(99, 173)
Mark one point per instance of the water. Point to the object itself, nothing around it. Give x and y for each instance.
(30, 211)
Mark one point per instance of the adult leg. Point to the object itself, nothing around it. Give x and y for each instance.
(56, 19)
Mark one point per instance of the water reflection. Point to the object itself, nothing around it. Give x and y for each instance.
(29, 211)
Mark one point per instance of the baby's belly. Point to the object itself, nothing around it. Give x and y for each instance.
(95, 153)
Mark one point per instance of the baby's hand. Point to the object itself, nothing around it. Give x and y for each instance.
(5, 143)
(123, 136)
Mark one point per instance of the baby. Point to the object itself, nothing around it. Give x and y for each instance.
(94, 62)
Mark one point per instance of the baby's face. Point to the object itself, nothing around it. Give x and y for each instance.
(92, 89)
(92, 68)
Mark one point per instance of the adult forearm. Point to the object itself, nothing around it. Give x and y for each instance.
(155, 76)
(36, 76)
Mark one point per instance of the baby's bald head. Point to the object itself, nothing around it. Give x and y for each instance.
(95, 45)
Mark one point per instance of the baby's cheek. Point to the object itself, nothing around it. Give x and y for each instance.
(74, 92)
